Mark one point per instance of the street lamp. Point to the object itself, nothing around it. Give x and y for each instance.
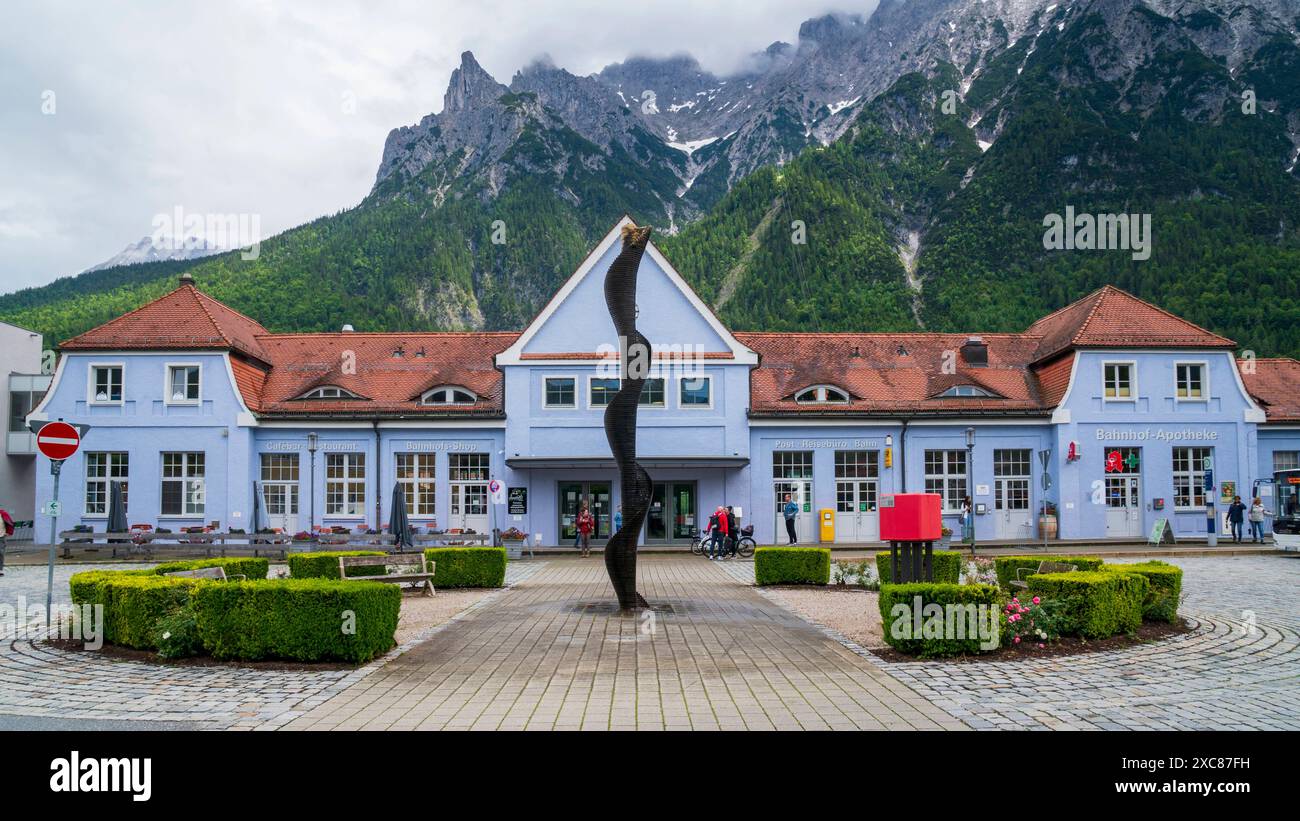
(970, 486)
(313, 442)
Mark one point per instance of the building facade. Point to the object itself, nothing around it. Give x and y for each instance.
(209, 419)
(24, 383)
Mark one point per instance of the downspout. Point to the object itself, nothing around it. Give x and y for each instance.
(379, 478)
(902, 455)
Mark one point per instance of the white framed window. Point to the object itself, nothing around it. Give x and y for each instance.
(601, 390)
(945, 474)
(1286, 460)
(822, 395)
(695, 392)
(106, 382)
(967, 391)
(652, 393)
(183, 488)
(1189, 477)
(184, 382)
(329, 392)
(560, 392)
(449, 395)
(416, 473)
(345, 484)
(102, 468)
(1119, 381)
(1191, 382)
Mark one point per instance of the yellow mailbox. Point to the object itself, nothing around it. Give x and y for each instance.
(828, 524)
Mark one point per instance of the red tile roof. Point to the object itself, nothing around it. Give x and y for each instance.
(1111, 318)
(1275, 384)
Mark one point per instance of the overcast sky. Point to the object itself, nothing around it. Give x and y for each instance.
(114, 112)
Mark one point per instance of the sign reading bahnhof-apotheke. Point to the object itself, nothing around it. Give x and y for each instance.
(1158, 435)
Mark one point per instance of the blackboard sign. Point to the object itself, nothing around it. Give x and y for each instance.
(1161, 532)
(517, 501)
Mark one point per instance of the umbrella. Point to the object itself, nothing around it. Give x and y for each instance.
(116, 508)
(256, 524)
(398, 524)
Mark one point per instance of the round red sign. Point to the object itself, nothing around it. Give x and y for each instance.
(58, 440)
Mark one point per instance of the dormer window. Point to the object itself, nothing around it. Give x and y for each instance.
(822, 395)
(329, 392)
(967, 391)
(449, 395)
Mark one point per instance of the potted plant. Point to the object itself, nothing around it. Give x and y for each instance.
(945, 537)
(1047, 521)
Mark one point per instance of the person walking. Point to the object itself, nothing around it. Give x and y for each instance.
(790, 511)
(1236, 513)
(5, 532)
(1257, 514)
(586, 523)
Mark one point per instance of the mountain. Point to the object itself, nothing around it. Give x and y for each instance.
(891, 172)
(158, 249)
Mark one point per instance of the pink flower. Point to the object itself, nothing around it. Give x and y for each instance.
(1037, 600)
(1041, 645)
(1016, 640)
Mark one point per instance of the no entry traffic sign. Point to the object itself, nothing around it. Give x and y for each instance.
(58, 440)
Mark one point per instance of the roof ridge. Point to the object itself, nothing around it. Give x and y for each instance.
(235, 311)
(1169, 314)
(1067, 306)
(1092, 313)
(194, 292)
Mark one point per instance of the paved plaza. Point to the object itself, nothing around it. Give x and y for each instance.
(549, 652)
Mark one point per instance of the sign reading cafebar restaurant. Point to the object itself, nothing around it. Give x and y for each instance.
(1145, 434)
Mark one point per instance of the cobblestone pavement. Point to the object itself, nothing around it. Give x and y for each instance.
(553, 654)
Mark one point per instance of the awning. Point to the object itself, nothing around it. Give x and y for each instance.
(608, 463)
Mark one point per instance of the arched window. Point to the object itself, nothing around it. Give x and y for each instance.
(822, 395)
(967, 390)
(329, 392)
(449, 395)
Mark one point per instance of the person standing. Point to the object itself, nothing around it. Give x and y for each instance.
(586, 522)
(1257, 514)
(618, 519)
(718, 522)
(5, 532)
(790, 510)
(733, 532)
(1236, 513)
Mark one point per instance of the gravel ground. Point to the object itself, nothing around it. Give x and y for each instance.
(853, 613)
(420, 612)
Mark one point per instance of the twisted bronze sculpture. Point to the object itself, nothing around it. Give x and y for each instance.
(620, 417)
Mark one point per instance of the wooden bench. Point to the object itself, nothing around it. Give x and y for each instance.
(1043, 567)
(422, 576)
(214, 573)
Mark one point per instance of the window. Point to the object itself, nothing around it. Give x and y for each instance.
(652, 393)
(21, 404)
(602, 391)
(329, 392)
(183, 491)
(1189, 477)
(1286, 459)
(966, 390)
(469, 467)
(945, 474)
(182, 384)
(1118, 378)
(1191, 381)
(102, 468)
(821, 395)
(560, 392)
(345, 484)
(279, 487)
(696, 392)
(451, 395)
(792, 464)
(106, 383)
(857, 464)
(416, 473)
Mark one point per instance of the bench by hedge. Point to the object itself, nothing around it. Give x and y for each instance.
(1099, 603)
(792, 565)
(980, 602)
(946, 565)
(417, 569)
(469, 566)
(325, 564)
(1006, 566)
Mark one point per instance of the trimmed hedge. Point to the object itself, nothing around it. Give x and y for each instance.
(791, 565)
(302, 619)
(1165, 588)
(946, 564)
(1099, 603)
(241, 566)
(134, 601)
(325, 564)
(468, 566)
(1006, 566)
(940, 642)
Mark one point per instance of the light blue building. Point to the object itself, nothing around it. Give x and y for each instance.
(198, 409)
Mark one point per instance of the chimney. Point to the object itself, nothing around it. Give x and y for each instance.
(975, 352)
(186, 279)
(856, 353)
(347, 329)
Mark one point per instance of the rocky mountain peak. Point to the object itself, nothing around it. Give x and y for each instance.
(470, 86)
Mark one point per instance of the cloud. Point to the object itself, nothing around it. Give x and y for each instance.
(113, 113)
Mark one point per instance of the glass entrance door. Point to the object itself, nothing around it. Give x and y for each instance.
(673, 516)
(280, 491)
(597, 497)
(1011, 493)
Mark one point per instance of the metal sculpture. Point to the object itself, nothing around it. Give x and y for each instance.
(620, 417)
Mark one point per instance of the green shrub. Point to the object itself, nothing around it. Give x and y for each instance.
(937, 637)
(1006, 566)
(792, 565)
(176, 635)
(1165, 588)
(468, 566)
(1098, 603)
(238, 566)
(134, 602)
(325, 564)
(946, 565)
(299, 619)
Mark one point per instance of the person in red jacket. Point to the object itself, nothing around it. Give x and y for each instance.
(718, 549)
(586, 523)
(5, 532)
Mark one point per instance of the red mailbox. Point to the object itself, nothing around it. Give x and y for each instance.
(911, 517)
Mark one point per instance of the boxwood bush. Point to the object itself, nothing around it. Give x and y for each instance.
(134, 601)
(468, 566)
(1165, 588)
(1098, 603)
(325, 564)
(1006, 566)
(790, 565)
(238, 566)
(941, 642)
(946, 565)
(301, 619)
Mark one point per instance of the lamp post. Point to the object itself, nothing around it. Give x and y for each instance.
(970, 484)
(313, 441)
